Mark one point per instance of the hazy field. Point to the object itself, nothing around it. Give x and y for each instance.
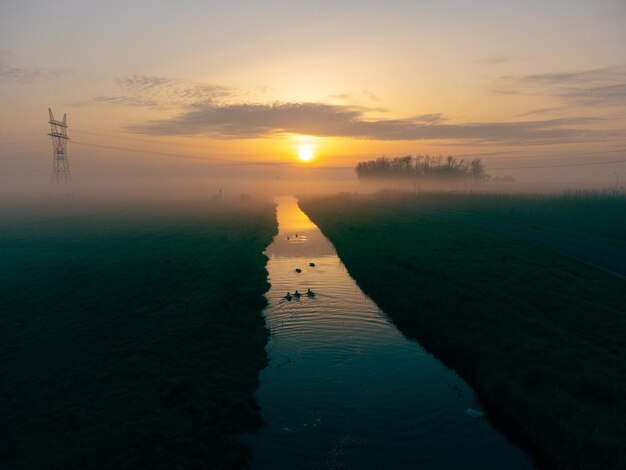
(593, 213)
(539, 336)
(132, 339)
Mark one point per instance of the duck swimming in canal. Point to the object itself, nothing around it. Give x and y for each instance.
(310, 293)
(298, 270)
(297, 294)
(312, 265)
(288, 296)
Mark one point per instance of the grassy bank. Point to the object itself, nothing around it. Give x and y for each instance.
(595, 213)
(132, 339)
(540, 337)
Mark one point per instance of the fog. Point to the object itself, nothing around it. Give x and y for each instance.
(104, 176)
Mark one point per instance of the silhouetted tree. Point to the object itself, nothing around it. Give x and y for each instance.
(422, 167)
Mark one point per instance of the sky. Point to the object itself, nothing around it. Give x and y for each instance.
(193, 89)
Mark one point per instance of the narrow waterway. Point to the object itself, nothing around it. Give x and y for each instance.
(344, 388)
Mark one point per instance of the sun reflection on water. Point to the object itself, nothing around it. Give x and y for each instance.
(290, 218)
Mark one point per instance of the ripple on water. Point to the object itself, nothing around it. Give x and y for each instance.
(343, 388)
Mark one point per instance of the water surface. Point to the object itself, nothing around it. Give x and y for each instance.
(344, 388)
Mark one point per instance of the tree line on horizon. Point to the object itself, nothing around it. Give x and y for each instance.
(422, 166)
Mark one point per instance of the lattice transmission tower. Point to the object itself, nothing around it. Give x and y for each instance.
(60, 163)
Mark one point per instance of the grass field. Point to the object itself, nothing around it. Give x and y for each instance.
(595, 213)
(540, 337)
(132, 339)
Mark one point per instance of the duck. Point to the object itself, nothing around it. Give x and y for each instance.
(312, 265)
(298, 270)
(288, 296)
(297, 294)
(310, 293)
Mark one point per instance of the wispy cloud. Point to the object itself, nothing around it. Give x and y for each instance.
(9, 72)
(567, 78)
(162, 92)
(355, 98)
(601, 95)
(343, 97)
(371, 96)
(601, 87)
(325, 120)
(495, 59)
(434, 118)
(535, 112)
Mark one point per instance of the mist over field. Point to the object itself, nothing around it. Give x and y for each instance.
(287, 234)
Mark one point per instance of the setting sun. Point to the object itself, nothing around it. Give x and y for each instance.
(305, 153)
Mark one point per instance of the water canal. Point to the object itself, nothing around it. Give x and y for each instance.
(344, 388)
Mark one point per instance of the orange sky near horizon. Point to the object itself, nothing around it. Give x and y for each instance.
(160, 89)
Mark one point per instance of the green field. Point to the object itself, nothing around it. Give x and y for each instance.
(593, 213)
(539, 336)
(132, 339)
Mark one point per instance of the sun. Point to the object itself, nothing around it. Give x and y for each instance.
(305, 153)
(305, 147)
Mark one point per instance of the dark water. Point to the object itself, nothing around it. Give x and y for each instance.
(344, 389)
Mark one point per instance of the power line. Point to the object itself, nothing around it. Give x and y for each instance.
(151, 152)
(135, 139)
(522, 154)
(241, 162)
(177, 155)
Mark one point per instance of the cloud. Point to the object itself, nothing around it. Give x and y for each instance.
(601, 87)
(12, 73)
(128, 100)
(326, 120)
(161, 92)
(534, 112)
(357, 98)
(560, 78)
(205, 109)
(371, 96)
(602, 95)
(343, 97)
(495, 59)
(430, 118)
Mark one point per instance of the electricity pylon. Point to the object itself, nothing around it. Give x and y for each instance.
(60, 164)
